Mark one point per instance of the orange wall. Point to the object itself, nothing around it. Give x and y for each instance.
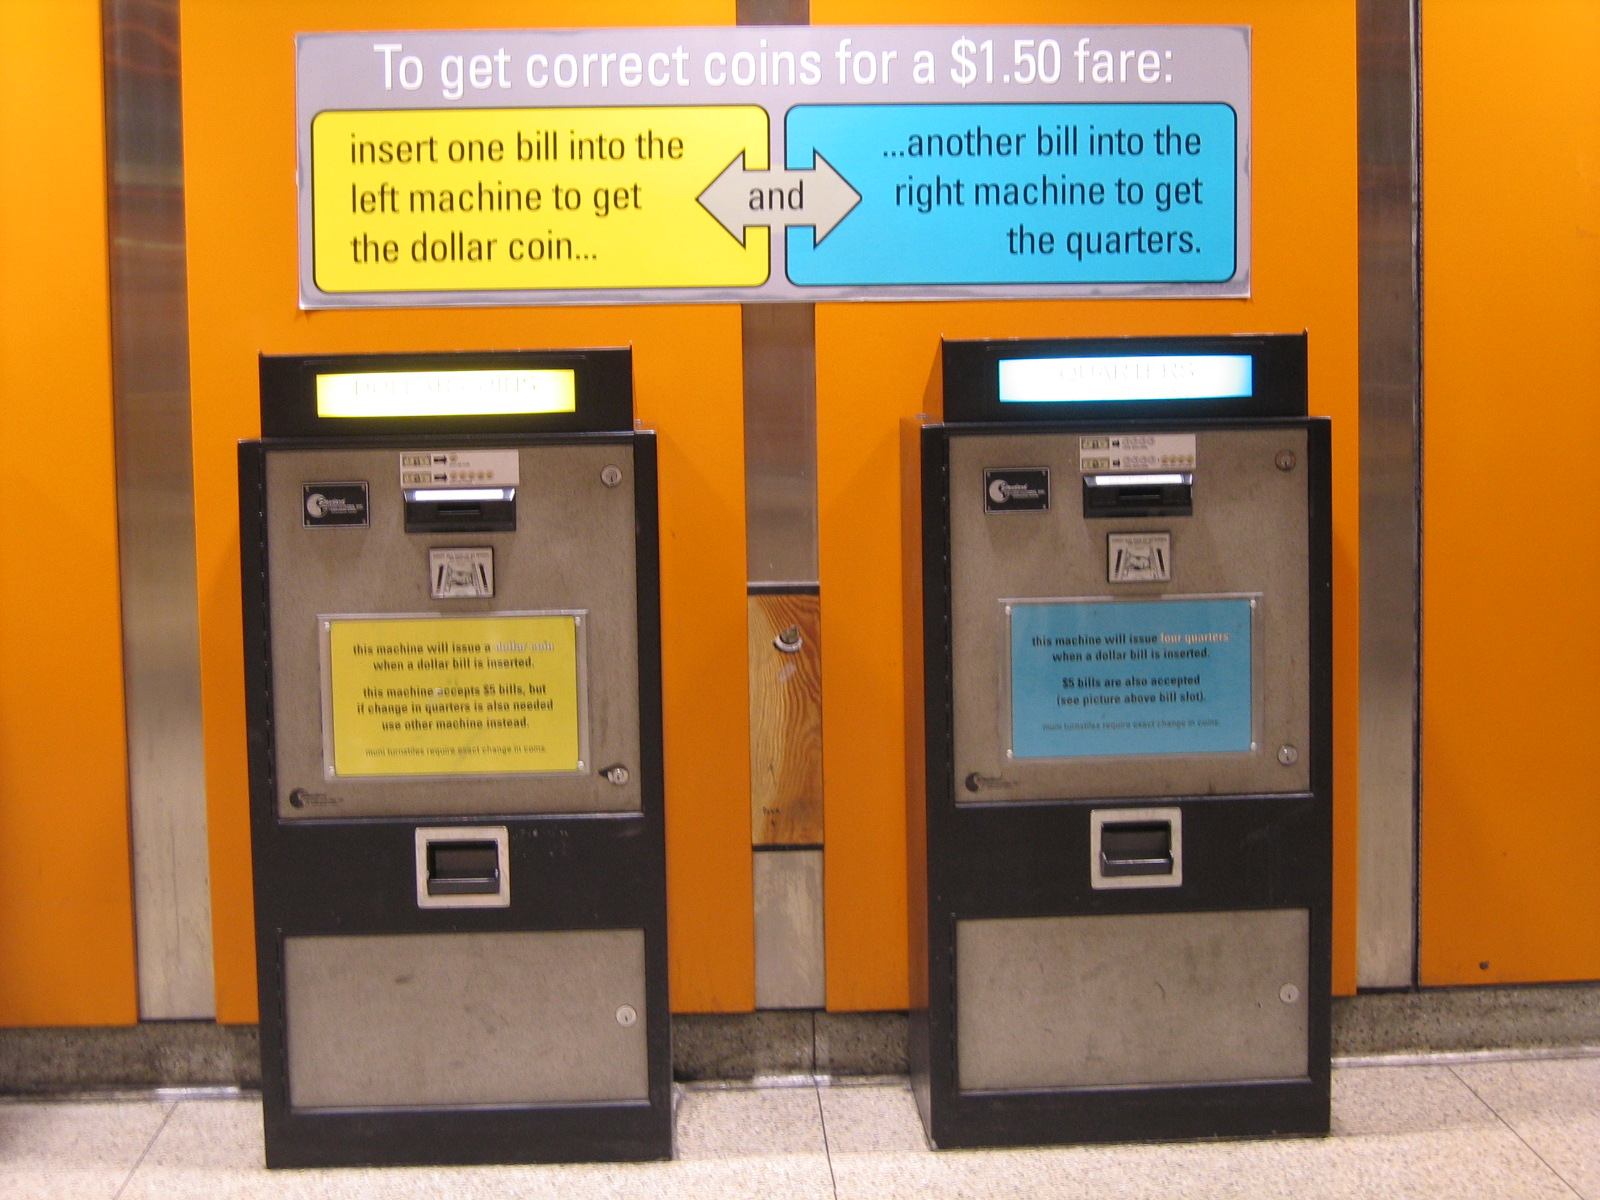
(1511, 627)
(239, 132)
(874, 363)
(66, 919)
(1510, 806)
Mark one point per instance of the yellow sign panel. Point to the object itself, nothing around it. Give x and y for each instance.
(530, 198)
(491, 695)
(446, 393)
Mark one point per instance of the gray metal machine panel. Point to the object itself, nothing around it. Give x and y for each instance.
(1248, 536)
(588, 564)
(1149, 998)
(510, 1018)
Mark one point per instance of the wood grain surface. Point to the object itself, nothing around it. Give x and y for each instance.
(785, 722)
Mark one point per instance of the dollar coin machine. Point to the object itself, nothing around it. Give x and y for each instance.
(452, 656)
(1119, 709)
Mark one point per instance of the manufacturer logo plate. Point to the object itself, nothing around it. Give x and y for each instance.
(1016, 489)
(333, 505)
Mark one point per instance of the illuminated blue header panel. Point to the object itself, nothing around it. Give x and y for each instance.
(1111, 379)
(1031, 380)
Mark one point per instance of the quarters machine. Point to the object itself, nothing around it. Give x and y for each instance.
(1118, 578)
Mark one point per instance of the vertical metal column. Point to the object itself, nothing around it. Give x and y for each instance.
(785, 617)
(1389, 99)
(155, 509)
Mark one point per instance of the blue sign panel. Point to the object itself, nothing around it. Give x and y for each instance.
(1131, 677)
(1021, 193)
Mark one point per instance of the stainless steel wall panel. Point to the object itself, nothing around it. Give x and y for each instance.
(780, 448)
(155, 508)
(1388, 82)
(780, 443)
(790, 971)
(774, 12)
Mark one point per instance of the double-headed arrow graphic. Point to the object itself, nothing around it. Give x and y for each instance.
(818, 197)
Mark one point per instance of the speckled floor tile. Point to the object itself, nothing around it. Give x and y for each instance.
(1416, 1132)
(212, 1151)
(1408, 1099)
(1554, 1106)
(1476, 1164)
(742, 1122)
(80, 1150)
(108, 1134)
(877, 1119)
(792, 1177)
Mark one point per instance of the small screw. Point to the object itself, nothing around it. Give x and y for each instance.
(611, 476)
(627, 1016)
(1288, 755)
(617, 774)
(1288, 993)
(789, 640)
(1285, 460)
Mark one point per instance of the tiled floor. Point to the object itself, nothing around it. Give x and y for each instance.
(1457, 1128)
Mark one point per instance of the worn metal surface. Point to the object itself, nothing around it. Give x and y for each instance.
(774, 12)
(780, 447)
(1391, 497)
(155, 510)
(1141, 998)
(511, 1018)
(1248, 534)
(780, 443)
(790, 970)
(381, 569)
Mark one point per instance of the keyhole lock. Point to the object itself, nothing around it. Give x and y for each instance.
(616, 774)
(627, 1016)
(789, 641)
(611, 476)
(1285, 461)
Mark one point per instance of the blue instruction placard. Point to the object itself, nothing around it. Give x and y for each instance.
(1021, 193)
(1131, 677)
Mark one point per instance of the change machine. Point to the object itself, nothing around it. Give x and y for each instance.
(452, 657)
(1120, 716)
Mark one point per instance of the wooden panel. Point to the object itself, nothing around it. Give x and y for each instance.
(240, 168)
(878, 363)
(66, 912)
(785, 722)
(1511, 644)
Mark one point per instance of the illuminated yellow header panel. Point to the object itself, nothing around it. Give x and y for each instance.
(446, 393)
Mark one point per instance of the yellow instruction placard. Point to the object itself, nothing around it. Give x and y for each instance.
(493, 695)
(490, 199)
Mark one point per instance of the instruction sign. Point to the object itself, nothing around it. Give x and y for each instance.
(494, 695)
(1131, 677)
(774, 163)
